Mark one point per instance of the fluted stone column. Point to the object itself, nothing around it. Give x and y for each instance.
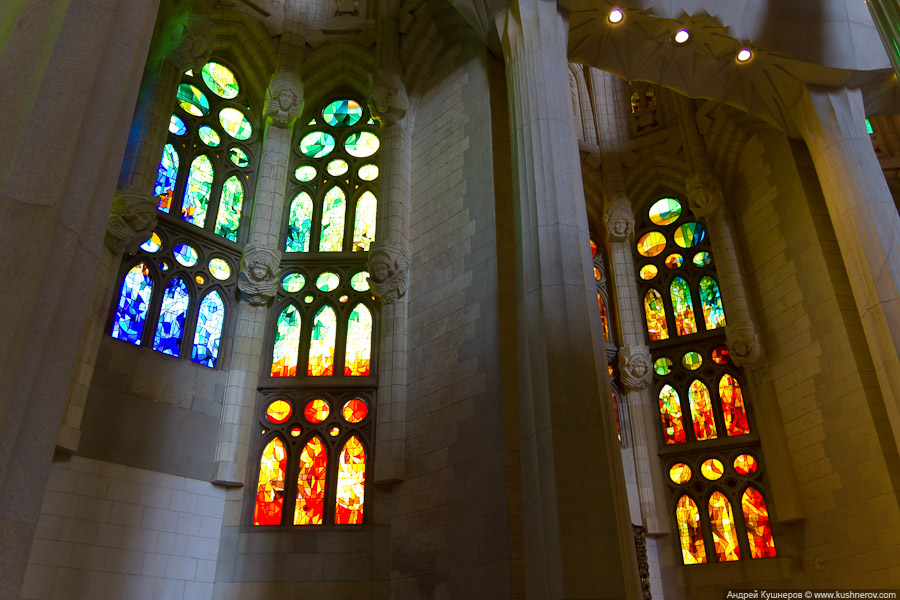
(258, 277)
(706, 200)
(576, 516)
(865, 221)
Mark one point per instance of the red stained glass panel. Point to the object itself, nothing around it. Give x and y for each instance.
(693, 551)
(701, 411)
(670, 412)
(310, 505)
(270, 489)
(759, 531)
(733, 406)
(724, 534)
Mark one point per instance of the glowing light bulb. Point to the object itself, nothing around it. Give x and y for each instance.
(616, 15)
(682, 36)
(744, 55)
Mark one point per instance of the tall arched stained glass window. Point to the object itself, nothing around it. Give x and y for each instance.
(299, 223)
(287, 343)
(655, 312)
(210, 319)
(693, 550)
(359, 341)
(711, 301)
(756, 517)
(724, 534)
(170, 327)
(685, 323)
(701, 411)
(670, 410)
(733, 406)
(351, 483)
(270, 487)
(134, 301)
(322, 342)
(310, 506)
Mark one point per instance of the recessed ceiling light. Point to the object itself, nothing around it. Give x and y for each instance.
(682, 36)
(744, 55)
(616, 15)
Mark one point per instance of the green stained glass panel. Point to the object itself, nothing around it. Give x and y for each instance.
(711, 300)
(235, 123)
(317, 144)
(238, 157)
(197, 190)
(299, 223)
(685, 323)
(662, 366)
(230, 206)
(337, 167)
(220, 80)
(665, 211)
(287, 343)
(177, 126)
(361, 144)
(293, 283)
(689, 234)
(209, 136)
(192, 100)
(342, 113)
(305, 173)
(691, 360)
(327, 281)
(333, 212)
(702, 259)
(364, 227)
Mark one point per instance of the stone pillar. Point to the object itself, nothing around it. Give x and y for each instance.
(865, 221)
(68, 116)
(576, 515)
(258, 277)
(705, 198)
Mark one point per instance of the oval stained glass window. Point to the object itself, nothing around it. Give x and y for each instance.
(235, 123)
(673, 261)
(153, 244)
(648, 272)
(278, 412)
(210, 319)
(354, 410)
(200, 279)
(230, 205)
(296, 431)
(368, 172)
(177, 126)
(192, 100)
(745, 465)
(691, 361)
(238, 157)
(316, 410)
(328, 281)
(337, 167)
(293, 283)
(287, 343)
(680, 473)
(185, 255)
(689, 235)
(720, 355)
(220, 269)
(665, 211)
(360, 281)
(317, 144)
(299, 223)
(334, 431)
(662, 366)
(712, 469)
(702, 259)
(220, 80)
(651, 244)
(305, 173)
(197, 190)
(209, 136)
(364, 225)
(361, 144)
(134, 301)
(342, 113)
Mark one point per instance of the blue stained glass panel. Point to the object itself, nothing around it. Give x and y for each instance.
(134, 300)
(197, 190)
(210, 319)
(165, 178)
(170, 328)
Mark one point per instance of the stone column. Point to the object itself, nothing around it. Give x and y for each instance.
(68, 113)
(258, 277)
(865, 221)
(576, 516)
(705, 198)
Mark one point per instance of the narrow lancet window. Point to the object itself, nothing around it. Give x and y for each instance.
(693, 551)
(351, 483)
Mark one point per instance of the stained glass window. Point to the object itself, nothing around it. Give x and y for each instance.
(287, 343)
(670, 411)
(711, 300)
(310, 506)
(364, 227)
(733, 406)
(197, 190)
(230, 205)
(655, 312)
(724, 535)
(321, 346)
(300, 223)
(359, 341)
(685, 324)
(331, 238)
(170, 328)
(690, 534)
(701, 411)
(210, 319)
(604, 319)
(351, 483)
(134, 301)
(759, 531)
(270, 488)
(166, 176)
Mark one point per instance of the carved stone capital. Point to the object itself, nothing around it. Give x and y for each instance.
(388, 101)
(704, 195)
(634, 367)
(284, 99)
(389, 271)
(192, 44)
(258, 278)
(131, 221)
(620, 220)
(743, 343)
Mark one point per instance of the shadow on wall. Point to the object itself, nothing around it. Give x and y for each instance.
(796, 28)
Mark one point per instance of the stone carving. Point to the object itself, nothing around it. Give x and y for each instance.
(388, 101)
(634, 367)
(640, 546)
(347, 7)
(194, 45)
(131, 221)
(258, 278)
(620, 220)
(704, 194)
(743, 343)
(284, 99)
(389, 272)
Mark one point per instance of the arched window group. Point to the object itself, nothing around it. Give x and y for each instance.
(609, 338)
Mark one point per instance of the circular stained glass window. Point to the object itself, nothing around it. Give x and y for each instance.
(305, 173)
(317, 144)
(200, 279)
(720, 355)
(238, 157)
(177, 126)
(689, 234)
(597, 274)
(702, 259)
(342, 113)
(209, 136)
(337, 167)
(334, 431)
(691, 360)
(361, 144)
(745, 465)
(220, 80)
(328, 281)
(354, 410)
(192, 100)
(343, 299)
(712, 468)
(673, 261)
(368, 172)
(360, 281)
(680, 473)
(185, 255)
(651, 244)
(293, 282)
(316, 411)
(665, 211)
(278, 412)
(308, 299)
(648, 272)
(153, 244)
(295, 432)
(163, 265)
(663, 366)
(235, 123)
(220, 269)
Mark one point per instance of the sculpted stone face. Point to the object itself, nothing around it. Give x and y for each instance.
(380, 270)
(259, 271)
(286, 99)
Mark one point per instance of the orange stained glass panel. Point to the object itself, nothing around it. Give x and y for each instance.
(355, 410)
(278, 412)
(724, 534)
(593, 248)
(701, 411)
(651, 244)
(670, 411)
(733, 406)
(759, 531)
(351, 483)
(712, 468)
(310, 505)
(745, 464)
(657, 328)
(316, 411)
(270, 489)
(693, 551)
(680, 473)
(604, 319)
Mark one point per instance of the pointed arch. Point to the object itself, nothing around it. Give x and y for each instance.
(285, 353)
(359, 341)
(693, 550)
(655, 311)
(299, 223)
(351, 483)
(310, 506)
(334, 208)
(604, 318)
(685, 323)
(134, 302)
(166, 176)
(733, 406)
(270, 487)
(172, 313)
(670, 411)
(322, 342)
(197, 191)
(210, 320)
(364, 225)
(724, 534)
(231, 203)
(711, 302)
(759, 529)
(701, 411)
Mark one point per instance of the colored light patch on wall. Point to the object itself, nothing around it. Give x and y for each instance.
(153, 244)
(745, 464)
(733, 406)
(134, 301)
(337, 167)
(361, 144)
(238, 157)
(359, 342)
(293, 283)
(759, 530)
(316, 410)
(334, 208)
(701, 411)
(724, 534)
(687, 516)
(712, 469)
(220, 269)
(310, 506)
(680, 473)
(663, 366)
(328, 281)
(185, 255)
(651, 244)
(166, 175)
(720, 355)
(342, 113)
(177, 126)
(210, 320)
(685, 323)
(673, 261)
(689, 234)
(604, 320)
(209, 136)
(170, 327)
(235, 123)
(691, 360)
(702, 259)
(299, 224)
(321, 345)
(305, 173)
(220, 80)
(665, 211)
(278, 412)
(711, 301)
(368, 172)
(648, 272)
(197, 190)
(655, 312)
(317, 144)
(192, 100)
(270, 488)
(230, 206)
(287, 343)
(360, 281)
(350, 484)
(670, 412)
(364, 224)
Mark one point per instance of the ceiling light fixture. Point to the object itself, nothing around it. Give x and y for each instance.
(744, 55)
(682, 36)
(616, 15)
